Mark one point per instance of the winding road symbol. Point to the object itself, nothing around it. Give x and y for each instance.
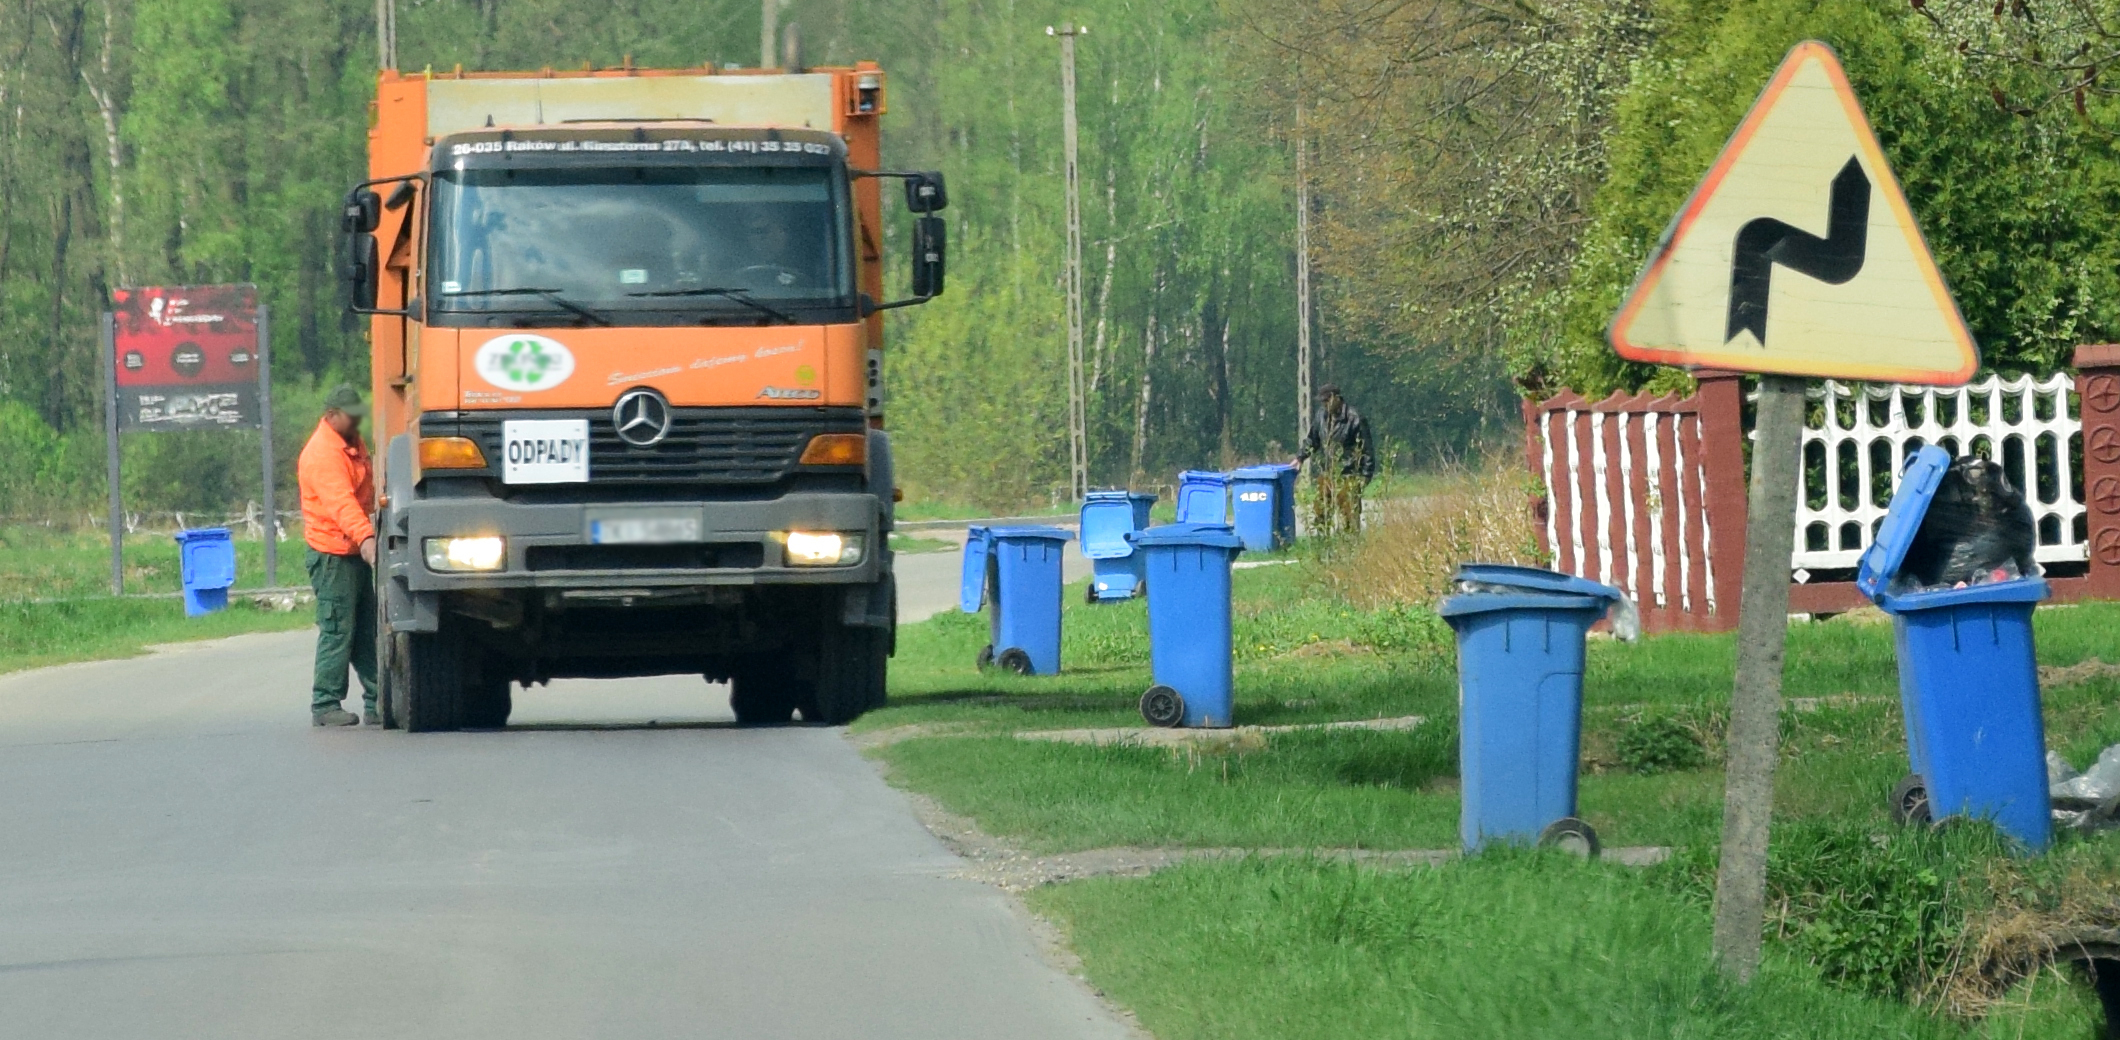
(1765, 242)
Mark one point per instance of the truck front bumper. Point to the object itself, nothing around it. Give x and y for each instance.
(550, 546)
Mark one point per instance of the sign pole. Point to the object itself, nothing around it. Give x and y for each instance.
(110, 442)
(272, 514)
(1755, 703)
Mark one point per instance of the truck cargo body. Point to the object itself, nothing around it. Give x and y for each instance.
(627, 370)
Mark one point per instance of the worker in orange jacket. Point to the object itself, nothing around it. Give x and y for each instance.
(338, 506)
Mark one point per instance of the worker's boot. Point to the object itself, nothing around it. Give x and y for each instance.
(371, 717)
(334, 717)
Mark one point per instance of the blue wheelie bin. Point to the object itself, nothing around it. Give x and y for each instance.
(1968, 679)
(1107, 518)
(1021, 565)
(1520, 633)
(1264, 506)
(207, 561)
(1188, 623)
(1203, 497)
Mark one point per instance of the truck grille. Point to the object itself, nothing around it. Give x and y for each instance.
(704, 445)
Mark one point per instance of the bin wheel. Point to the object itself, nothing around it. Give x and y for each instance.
(1571, 836)
(986, 657)
(1162, 706)
(1089, 594)
(1014, 659)
(1910, 801)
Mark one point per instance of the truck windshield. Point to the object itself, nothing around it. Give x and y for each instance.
(751, 241)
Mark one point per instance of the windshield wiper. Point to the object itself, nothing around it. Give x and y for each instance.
(551, 295)
(739, 295)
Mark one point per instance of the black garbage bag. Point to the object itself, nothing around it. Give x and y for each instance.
(1978, 529)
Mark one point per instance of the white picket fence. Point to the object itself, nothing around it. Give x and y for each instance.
(1853, 453)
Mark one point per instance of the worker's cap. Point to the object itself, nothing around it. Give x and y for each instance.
(1329, 390)
(344, 398)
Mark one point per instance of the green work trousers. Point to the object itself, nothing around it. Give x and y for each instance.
(345, 589)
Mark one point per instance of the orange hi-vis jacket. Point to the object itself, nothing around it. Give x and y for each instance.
(338, 492)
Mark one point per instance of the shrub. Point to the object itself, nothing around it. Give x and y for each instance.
(1660, 744)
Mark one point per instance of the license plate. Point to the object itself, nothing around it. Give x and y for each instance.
(545, 451)
(643, 528)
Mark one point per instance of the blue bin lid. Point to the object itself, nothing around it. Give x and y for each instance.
(1203, 476)
(1485, 602)
(1534, 578)
(1271, 471)
(1052, 534)
(1118, 496)
(2016, 590)
(1207, 536)
(971, 584)
(202, 534)
(1902, 521)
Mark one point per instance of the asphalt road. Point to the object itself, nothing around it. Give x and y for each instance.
(182, 855)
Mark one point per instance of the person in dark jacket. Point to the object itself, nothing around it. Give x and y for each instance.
(1343, 460)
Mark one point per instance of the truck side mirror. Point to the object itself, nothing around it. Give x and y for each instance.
(930, 256)
(362, 213)
(364, 268)
(925, 192)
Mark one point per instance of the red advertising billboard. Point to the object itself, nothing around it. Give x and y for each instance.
(187, 357)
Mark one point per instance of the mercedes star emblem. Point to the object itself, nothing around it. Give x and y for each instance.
(642, 417)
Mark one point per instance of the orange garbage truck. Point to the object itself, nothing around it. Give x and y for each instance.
(627, 342)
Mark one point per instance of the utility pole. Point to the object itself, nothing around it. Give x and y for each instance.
(1303, 394)
(768, 33)
(386, 33)
(1077, 432)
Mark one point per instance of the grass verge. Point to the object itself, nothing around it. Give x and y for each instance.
(1875, 931)
(56, 607)
(33, 635)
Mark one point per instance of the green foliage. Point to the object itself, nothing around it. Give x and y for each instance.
(2014, 207)
(1877, 912)
(1505, 945)
(1659, 744)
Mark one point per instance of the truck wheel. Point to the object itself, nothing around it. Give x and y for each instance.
(759, 697)
(436, 673)
(852, 665)
(388, 682)
(489, 697)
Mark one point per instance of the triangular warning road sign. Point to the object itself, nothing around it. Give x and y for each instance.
(1797, 253)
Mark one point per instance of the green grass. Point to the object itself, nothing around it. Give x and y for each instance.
(1864, 913)
(36, 634)
(902, 543)
(1514, 945)
(40, 563)
(83, 622)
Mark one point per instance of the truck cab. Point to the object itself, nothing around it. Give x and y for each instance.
(627, 364)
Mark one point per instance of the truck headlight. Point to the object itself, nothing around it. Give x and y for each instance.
(482, 553)
(824, 548)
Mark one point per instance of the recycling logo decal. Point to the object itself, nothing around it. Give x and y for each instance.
(520, 361)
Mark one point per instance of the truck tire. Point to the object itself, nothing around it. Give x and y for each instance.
(488, 697)
(852, 664)
(436, 672)
(761, 696)
(388, 682)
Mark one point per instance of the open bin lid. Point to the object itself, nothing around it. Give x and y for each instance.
(1105, 523)
(971, 586)
(1485, 602)
(1536, 579)
(1206, 536)
(1203, 476)
(1902, 520)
